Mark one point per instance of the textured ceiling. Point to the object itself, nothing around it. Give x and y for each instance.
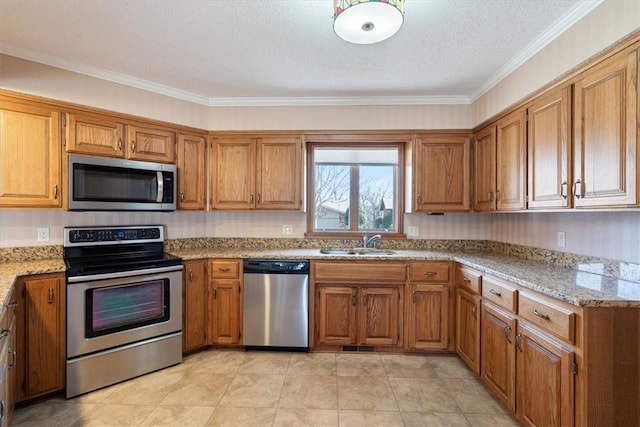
(285, 51)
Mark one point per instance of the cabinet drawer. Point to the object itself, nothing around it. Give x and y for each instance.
(552, 318)
(356, 272)
(469, 279)
(224, 269)
(500, 293)
(430, 272)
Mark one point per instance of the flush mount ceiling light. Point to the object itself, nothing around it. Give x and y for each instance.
(367, 21)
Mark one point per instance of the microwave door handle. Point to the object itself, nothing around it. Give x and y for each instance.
(160, 187)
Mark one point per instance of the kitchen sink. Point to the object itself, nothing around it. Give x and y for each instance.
(356, 251)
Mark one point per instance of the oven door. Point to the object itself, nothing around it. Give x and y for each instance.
(104, 311)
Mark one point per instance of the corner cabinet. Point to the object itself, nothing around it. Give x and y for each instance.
(40, 326)
(441, 173)
(30, 155)
(256, 173)
(191, 164)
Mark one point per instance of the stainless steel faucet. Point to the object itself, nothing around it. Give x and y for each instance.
(366, 240)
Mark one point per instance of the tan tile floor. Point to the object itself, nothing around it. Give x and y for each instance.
(234, 388)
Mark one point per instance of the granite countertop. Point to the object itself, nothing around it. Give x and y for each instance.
(580, 287)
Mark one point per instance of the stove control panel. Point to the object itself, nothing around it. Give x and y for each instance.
(74, 236)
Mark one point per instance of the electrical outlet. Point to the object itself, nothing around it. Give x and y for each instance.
(413, 231)
(287, 229)
(562, 239)
(43, 234)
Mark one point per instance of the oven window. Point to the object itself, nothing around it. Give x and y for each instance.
(119, 308)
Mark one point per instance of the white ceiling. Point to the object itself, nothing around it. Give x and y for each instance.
(284, 52)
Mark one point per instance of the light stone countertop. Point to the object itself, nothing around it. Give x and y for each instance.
(581, 287)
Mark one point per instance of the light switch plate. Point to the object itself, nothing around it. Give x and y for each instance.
(562, 239)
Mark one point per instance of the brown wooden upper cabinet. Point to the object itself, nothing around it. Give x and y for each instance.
(191, 172)
(549, 145)
(30, 166)
(500, 164)
(605, 133)
(441, 173)
(256, 173)
(106, 136)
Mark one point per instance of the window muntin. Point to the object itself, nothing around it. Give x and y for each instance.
(355, 188)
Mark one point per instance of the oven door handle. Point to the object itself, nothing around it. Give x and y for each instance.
(119, 274)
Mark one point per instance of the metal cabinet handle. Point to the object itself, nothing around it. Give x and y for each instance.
(251, 198)
(519, 342)
(430, 273)
(540, 314)
(55, 191)
(354, 299)
(413, 296)
(224, 269)
(258, 198)
(50, 295)
(133, 146)
(191, 275)
(419, 199)
(182, 196)
(474, 312)
(494, 292)
(490, 196)
(577, 186)
(14, 358)
(4, 333)
(497, 196)
(466, 279)
(119, 144)
(563, 190)
(215, 294)
(507, 333)
(12, 304)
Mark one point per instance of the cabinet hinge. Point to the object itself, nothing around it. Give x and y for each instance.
(575, 368)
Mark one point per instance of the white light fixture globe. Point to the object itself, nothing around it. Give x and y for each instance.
(367, 21)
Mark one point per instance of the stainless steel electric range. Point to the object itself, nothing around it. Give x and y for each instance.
(124, 305)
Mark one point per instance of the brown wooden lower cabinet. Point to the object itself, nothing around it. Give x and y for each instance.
(194, 309)
(359, 315)
(224, 312)
(428, 316)
(498, 353)
(545, 380)
(40, 326)
(468, 329)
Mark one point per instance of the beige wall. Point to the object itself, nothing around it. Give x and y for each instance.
(608, 23)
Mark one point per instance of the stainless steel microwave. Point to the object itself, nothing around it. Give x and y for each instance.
(104, 183)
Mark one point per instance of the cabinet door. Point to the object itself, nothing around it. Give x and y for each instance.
(94, 135)
(545, 380)
(511, 150)
(441, 168)
(428, 317)
(233, 173)
(30, 174)
(337, 315)
(484, 170)
(41, 321)
(194, 313)
(279, 173)
(379, 316)
(498, 353)
(468, 329)
(191, 172)
(549, 151)
(605, 132)
(224, 312)
(149, 144)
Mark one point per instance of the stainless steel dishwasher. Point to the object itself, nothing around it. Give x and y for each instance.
(276, 304)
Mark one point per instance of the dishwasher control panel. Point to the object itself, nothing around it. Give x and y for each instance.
(276, 266)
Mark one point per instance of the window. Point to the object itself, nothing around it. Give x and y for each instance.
(355, 188)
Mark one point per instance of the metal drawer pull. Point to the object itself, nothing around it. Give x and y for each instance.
(133, 146)
(563, 190)
(50, 295)
(466, 279)
(191, 275)
(4, 333)
(539, 314)
(577, 186)
(13, 304)
(224, 269)
(507, 333)
(474, 312)
(14, 358)
(413, 296)
(494, 292)
(430, 273)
